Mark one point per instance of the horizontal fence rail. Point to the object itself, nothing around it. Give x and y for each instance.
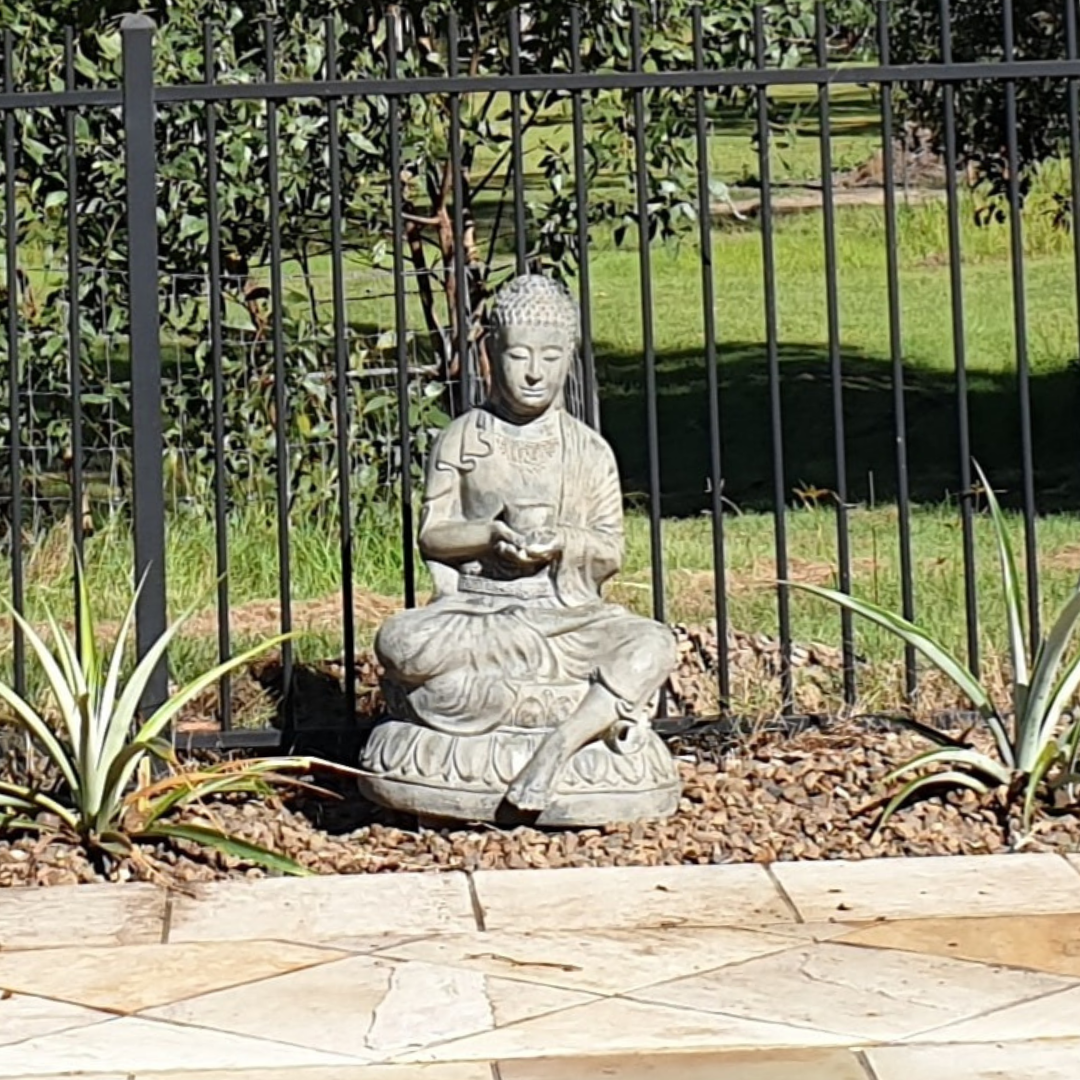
(346, 411)
(1018, 71)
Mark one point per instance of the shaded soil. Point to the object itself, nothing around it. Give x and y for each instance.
(773, 795)
(316, 715)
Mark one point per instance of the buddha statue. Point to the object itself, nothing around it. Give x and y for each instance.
(518, 693)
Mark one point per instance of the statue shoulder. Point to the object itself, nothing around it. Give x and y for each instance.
(465, 439)
(592, 442)
(454, 433)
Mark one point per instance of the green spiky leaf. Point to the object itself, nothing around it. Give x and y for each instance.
(228, 845)
(952, 668)
(924, 782)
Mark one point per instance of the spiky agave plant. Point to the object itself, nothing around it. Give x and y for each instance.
(1033, 738)
(100, 749)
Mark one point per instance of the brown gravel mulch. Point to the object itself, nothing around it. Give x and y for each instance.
(758, 798)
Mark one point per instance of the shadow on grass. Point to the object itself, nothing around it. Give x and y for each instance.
(808, 429)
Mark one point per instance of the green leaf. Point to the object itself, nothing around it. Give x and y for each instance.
(1014, 598)
(1050, 754)
(36, 726)
(58, 684)
(228, 845)
(116, 734)
(35, 150)
(1064, 693)
(936, 653)
(949, 755)
(31, 800)
(123, 766)
(929, 780)
(1046, 683)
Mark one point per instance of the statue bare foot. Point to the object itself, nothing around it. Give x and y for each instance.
(531, 789)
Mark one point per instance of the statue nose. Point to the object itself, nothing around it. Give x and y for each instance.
(532, 377)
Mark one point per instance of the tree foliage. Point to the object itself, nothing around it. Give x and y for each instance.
(977, 30)
(304, 35)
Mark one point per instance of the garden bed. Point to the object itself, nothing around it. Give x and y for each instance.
(775, 795)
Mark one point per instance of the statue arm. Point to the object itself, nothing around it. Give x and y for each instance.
(446, 535)
(596, 547)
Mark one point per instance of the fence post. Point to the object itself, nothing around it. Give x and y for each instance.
(148, 489)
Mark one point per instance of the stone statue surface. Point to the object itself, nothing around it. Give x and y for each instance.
(518, 693)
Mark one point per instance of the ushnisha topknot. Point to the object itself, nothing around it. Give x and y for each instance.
(536, 300)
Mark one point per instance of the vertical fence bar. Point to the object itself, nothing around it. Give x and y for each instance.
(772, 353)
(221, 515)
(281, 399)
(708, 307)
(517, 149)
(959, 353)
(581, 210)
(401, 326)
(1023, 372)
(896, 352)
(461, 305)
(836, 373)
(74, 331)
(341, 376)
(652, 417)
(1073, 52)
(11, 260)
(148, 492)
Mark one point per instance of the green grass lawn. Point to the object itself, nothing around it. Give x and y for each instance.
(808, 429)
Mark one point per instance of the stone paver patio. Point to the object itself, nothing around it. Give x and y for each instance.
(936, 969)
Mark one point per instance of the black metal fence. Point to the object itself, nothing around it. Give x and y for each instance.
(407, 370)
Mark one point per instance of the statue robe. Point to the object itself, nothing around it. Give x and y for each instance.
(465, 661)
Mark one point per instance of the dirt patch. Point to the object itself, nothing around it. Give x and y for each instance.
(814, 200)
(1066, 558)
(262, 618)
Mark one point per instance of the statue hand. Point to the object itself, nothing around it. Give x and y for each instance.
(543, 545)
(538, 548)
(502, 537)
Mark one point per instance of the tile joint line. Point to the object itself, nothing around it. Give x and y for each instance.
(864, 1062)
(166, 917)
(778, 885)
(477, 907)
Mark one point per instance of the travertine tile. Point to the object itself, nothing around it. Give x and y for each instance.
(137, 977)
(730, 1065)
(596, 961)
(23, 1017)
(989, 1061)
(1040, 942)
(372, 1007)
(455, 1070)
(324, 908)
(867, 993)
(1056, 1016)
(938, 886)
(621, 1026)
(132, 1045)
(127, 914)
(624, 898)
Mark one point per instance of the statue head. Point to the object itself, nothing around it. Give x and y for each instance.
(535, 334)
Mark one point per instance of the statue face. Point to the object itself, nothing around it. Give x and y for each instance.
(531, 367)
